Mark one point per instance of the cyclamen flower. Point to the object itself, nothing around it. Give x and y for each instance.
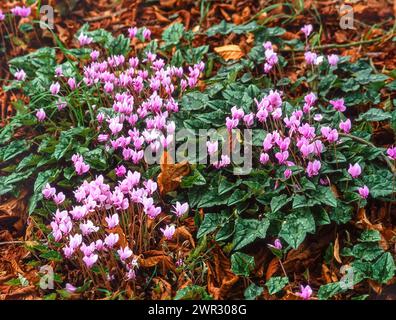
(333, 59)
(287, 173)
(146, 34)
(88, 228)
(264, 158)
(346, 125)
(338, 104)
(84, 40)
(75, 241)
(168, 232)
(124, 253)
(21, 11)
(90, 260)
(2, 15)
(180, 209)
(313, 168)
(55, 88)
(364, 192)
(310, 57)
(277, 244)
(72, 83)
(354, 170)
(305, 292)
(94, 55)
(59, 198)
(330, 134)
(132, 32)
(70, 288)
(40, 115)
(307, 30)
(20, 75)
(120, 171)
(111, 240)
(48, 191)
(212, 147)
(391, 152)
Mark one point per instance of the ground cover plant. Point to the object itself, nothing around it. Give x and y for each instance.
(156, 166)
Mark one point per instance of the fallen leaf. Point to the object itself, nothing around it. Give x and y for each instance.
(230, 52)
(171, 174)
(336, 250)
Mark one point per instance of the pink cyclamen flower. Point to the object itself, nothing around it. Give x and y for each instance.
(84, 40)
(276, 245)
(2, 15)
(180, 209)
(287, 173)
(48, 191)
(333, 59)
(112, 221)
(310, 57)
(168, 232)
(132, 32)
(346, 125)
(364, 192)
(120, 171)
(90, 260)
(313, 168)
(212, 147)
(59, 198)
(111, 240)
(124, 253)
(94, 55)
(72, 83)
(305, 292)
(391, 152)
(307, 30)
(146, 34)
(70, 288)
(22, 12)
(338, 104)
(40, 115)
(264, 158)
(20, 75)
(354, 170)
(55, 88)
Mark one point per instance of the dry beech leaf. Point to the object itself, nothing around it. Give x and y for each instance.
(171, 174)
(230, 52)
(272, 268)
(336, 250)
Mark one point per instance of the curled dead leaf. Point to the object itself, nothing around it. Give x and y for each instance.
(336, 250)
(230, 52)
(171, 174)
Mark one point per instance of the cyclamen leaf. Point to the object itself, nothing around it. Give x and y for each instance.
(248, 230)
(276, 284)
(375, 114)
(296, 226)
(384, 268)
(253, 291)
(210, 223)
(242, 264)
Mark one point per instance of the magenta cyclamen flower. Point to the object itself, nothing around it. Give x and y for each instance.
(333, 60)
(307, 30)
(346, 125)
(120, 171)
(354, 170)
(19, 11)
(2, 15)
(305, 292)
(391, 152)
(278, 244)
(70, 288)
(146, 34)
(180, 209)
(40, 115)
(287, 173)
(20, 75)
(132, 32)
(168, 232)
(364, 191)
(313, 168)
(55, 88)
(338, 104)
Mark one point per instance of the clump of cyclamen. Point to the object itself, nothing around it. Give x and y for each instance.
(143, 98)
